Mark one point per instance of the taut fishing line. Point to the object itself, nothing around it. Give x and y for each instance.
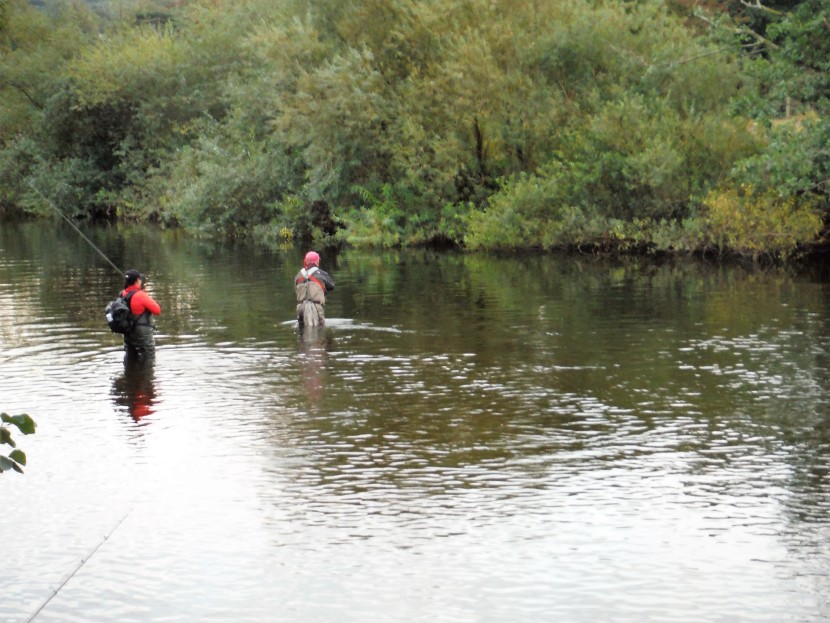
(64, 217)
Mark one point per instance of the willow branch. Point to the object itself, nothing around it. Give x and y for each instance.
(33, 101)
(742, 31)
(670, 64)
(760, 7)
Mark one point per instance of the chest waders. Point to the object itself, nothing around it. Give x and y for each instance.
(139, 341)
(310, 311)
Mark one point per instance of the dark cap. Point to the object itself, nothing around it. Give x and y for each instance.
(131, 276)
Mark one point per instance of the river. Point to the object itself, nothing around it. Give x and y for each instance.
(471, 439)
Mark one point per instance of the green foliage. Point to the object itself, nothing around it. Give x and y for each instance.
(795, 161)
(546, 210)
(491, 123)
(16, 459)
(760, 223)
(34, 51)
(626, 179)
(379, 223)
(804, 44)
(16, 163)
(793, 111)
(222, 186)
(339, 120)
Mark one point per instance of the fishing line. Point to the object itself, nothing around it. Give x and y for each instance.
(78, 568)
(54, 207)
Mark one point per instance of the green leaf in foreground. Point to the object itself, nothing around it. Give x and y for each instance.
(24, 422)
(7, 464)
(18, 456)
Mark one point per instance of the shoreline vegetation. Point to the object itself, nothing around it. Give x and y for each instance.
(602, 126)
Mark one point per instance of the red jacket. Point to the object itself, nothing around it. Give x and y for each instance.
(141, 301)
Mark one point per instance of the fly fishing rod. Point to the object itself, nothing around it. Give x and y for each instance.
(51, 204)
(78, 568)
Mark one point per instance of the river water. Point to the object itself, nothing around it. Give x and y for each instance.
(470, 439)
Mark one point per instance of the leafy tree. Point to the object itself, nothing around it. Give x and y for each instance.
(758, 224)
(653, 141)
(492, 123)
(790, 175)
(34, 49)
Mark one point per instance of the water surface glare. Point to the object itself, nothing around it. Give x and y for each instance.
(470, 439)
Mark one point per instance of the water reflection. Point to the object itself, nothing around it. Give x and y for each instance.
(516, 433)
(314, 344)
(135, 388)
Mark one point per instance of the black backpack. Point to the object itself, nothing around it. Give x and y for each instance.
(119, 314)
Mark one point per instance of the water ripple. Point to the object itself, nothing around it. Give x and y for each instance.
(618, 462)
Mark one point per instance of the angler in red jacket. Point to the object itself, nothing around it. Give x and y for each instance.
(139, 340)
(311, 285)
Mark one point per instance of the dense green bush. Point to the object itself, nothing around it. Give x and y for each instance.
(757, 223)
(492, 124)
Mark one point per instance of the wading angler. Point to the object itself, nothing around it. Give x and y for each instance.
(311, 285)
(131, 314)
